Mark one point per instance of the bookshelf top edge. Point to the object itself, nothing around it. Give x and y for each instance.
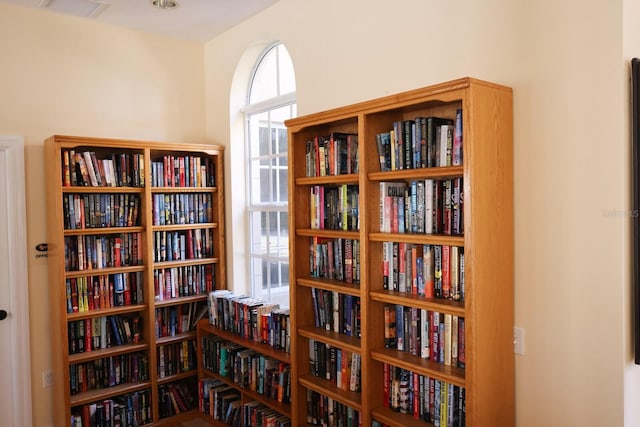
(352, 111)
(70, 141)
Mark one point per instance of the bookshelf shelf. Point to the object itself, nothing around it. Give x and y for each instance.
(102, 271)
(170, 378)
(105, 393)
(467, 188)
(330, 285)
(187, 262)
(180, 300)
(406, 174)
(94, 186)
(283, 408)
(332, 338)
(183, 190)
(107, 312)
(327, 388)
(328, 234)
(331, 180)
(434, 304)
(102, 190)
(106, 352)
(265, 349)
(421, 366)
(431, 239)
(176, 338)
(174, 227)
(396, 419)
(101, 231)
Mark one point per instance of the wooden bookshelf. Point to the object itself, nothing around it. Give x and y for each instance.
(487, 377)
(202, 188)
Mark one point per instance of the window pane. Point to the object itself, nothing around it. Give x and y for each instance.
(265, 275)
(264, 84)
(274, 140)
(282, 141)
(258, 237)
(287, 75)
(283, 185)
(256, 135)
(274, 274)
(274, 234)
(284, 234)
(265, 189)
(264, 140)
(284, 274)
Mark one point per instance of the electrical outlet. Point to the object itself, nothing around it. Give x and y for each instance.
(518, 340)
(47, 378)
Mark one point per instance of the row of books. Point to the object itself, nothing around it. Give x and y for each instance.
(422, 206)
(83, 211)
(220, 401)
(334, 154)
(434, 401)
(420, 143)
(336, 312)
(175, 398)
(424, 333)
(341, 367)
(251, 318)
(110, 170)
(183, 208)
(176, 358)
(433, 271)
(247, 368)
(183, 171)
(108, 372)
(127, 410)
(182, 245)
(328, 412)
(337, 259)
(102, 291)
(91, 252)
(334, 207)
(255, 413)
(178, 319)
(183, 281)
(103, 332)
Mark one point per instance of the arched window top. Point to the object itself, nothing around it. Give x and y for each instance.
(273, 76)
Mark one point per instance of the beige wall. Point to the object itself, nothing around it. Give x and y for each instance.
(568, 71)
(571, 152)
(64, 75)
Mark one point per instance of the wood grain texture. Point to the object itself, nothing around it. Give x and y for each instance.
(488, 246)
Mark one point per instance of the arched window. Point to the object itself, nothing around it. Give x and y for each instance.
(270, 101)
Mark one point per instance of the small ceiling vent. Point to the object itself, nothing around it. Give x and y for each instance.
(85, 8)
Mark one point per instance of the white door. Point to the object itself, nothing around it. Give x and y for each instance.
(15, 377)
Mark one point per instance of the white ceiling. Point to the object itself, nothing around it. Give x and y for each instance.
(198, 20)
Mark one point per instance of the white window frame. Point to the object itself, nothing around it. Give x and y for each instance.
(285, 100)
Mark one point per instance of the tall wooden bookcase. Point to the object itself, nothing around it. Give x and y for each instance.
(150, 274)
(486, 177)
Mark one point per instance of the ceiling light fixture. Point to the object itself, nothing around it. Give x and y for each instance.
(165, 4)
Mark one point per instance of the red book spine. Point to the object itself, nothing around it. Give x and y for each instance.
(446, 277)
(181, 171)
(103, 291)
(385, 385)
(127, 289)
(87, 335)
